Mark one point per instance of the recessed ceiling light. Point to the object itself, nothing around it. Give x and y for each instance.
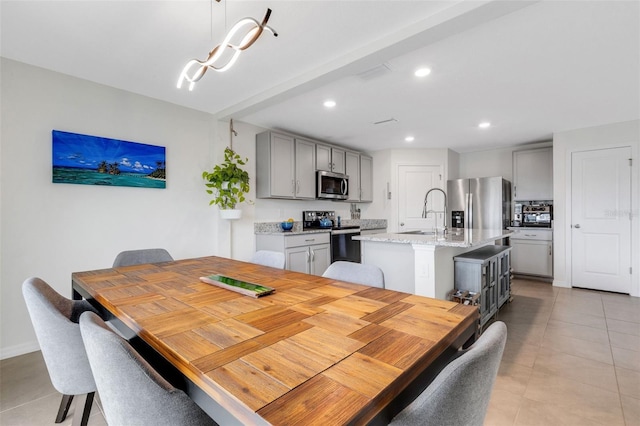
(484, 125)
(409, 139)
(329, 103)
(422, 72)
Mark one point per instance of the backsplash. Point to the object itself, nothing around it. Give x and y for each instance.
(270, 227)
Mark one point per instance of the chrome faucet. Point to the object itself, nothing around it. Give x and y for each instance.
(425, 212)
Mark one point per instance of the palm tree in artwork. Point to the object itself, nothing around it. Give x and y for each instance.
(159, 172)
(113, 169)
(102, 167)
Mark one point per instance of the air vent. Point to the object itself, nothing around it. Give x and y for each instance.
(375, 72)
(387, 121)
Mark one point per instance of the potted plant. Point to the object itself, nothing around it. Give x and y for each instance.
(228, 183)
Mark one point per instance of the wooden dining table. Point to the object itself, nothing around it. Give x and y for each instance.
(316, 351)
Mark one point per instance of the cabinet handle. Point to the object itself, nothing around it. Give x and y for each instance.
(293, 186)
(297, 187)
(310, 239)
(549, 249)
(529, 235)
(313, 255)
(308, 257)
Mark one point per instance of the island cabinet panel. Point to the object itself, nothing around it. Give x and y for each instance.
(485, 271)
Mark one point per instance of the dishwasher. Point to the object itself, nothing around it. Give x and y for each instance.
(343, 246)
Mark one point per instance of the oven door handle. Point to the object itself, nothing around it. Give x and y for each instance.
(345, 231)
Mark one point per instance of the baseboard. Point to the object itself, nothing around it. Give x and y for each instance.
(17, 350)
(563, 284)
(532, 277)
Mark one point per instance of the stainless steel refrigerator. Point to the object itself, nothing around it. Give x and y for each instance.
(479, 203)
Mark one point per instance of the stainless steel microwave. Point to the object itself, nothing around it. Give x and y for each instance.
(334, 186)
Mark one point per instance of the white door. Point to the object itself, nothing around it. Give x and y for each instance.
(413, 184)
(601, 219)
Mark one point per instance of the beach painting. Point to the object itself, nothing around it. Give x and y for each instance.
(92, 160)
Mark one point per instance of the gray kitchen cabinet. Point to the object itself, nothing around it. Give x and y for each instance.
(305, 176)
(359, 170)
(284, 166)
(308, 252)
(352, 167)
(485, 271)
(533, 174)
(366, 179)
(330, 159)
(532, 252)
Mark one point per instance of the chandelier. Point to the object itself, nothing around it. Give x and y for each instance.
(230, 49)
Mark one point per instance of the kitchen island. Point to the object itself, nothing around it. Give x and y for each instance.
(420, 263)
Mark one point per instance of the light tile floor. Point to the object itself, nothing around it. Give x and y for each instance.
(572, 358)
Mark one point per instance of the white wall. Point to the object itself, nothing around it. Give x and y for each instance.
(51, 230)
(564, 143)
(492, 162)
(385, 175)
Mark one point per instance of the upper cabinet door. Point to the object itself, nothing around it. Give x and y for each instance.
(366, 178)
(533, 175)
(323, 157)
(305, 169)
(352, 164)
(275, 166)
(330, 159)
(338, 160)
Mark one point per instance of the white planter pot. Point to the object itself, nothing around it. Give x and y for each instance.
(231, 214)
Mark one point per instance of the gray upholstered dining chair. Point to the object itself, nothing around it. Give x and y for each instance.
(459, 395)
(270, 258)
(131, 391)
(55, 320)
(355, 273)
(138, 257)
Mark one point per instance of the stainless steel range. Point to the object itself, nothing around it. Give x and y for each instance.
(343, 247)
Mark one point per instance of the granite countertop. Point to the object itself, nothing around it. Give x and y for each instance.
(268, 228)
(529, 228)
(465, 238)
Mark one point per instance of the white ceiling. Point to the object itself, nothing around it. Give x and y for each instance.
(530, 68)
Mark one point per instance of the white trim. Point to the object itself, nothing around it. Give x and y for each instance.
(16, 350)
(595, 138)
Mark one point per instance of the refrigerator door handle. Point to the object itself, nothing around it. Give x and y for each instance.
(468, 214)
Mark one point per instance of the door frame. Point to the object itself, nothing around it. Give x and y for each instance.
(635, 222)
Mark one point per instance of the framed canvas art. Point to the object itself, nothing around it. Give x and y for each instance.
(93, 160)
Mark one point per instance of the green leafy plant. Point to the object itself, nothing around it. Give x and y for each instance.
(228, 183)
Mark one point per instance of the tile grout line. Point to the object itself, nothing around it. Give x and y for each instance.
(615, 370)
(546, 325)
